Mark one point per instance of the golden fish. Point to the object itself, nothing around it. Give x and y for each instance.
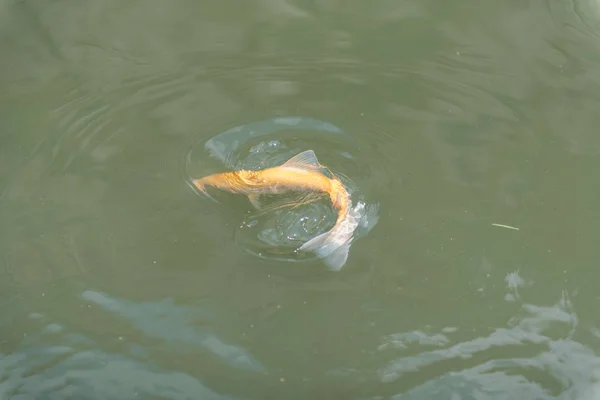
(299, 173)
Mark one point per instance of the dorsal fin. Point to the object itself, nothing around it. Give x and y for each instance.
(305, 160)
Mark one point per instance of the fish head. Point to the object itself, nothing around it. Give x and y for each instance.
(228, 181)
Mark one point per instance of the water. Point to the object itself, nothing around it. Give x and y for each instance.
(118, 280)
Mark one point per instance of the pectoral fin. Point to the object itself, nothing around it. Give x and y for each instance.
(255, 201)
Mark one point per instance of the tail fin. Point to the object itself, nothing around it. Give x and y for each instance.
(333, 256)
(336, 260)
(315, 243)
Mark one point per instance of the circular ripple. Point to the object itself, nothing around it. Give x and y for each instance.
(283, 223)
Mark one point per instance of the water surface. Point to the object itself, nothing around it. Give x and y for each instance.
(117, 280)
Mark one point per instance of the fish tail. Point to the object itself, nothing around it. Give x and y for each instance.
(333, 246)
(326, 247)
(337, 258)
(315, 243)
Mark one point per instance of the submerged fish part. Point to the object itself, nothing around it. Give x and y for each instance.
(255, 200)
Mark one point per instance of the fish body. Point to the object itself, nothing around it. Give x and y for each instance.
(299, 173)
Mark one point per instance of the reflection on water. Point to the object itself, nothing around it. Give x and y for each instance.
(527, 359)
(47, 367)
(535, 355)
(165, 321)
(118, 281)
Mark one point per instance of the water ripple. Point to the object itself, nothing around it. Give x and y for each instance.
(530, 358)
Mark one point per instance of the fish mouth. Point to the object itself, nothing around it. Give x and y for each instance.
(201, 187)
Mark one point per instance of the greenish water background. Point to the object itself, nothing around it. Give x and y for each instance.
(119, 281)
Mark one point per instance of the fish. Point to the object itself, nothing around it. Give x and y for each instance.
(302, 172)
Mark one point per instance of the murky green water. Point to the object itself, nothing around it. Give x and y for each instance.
(118, 281)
